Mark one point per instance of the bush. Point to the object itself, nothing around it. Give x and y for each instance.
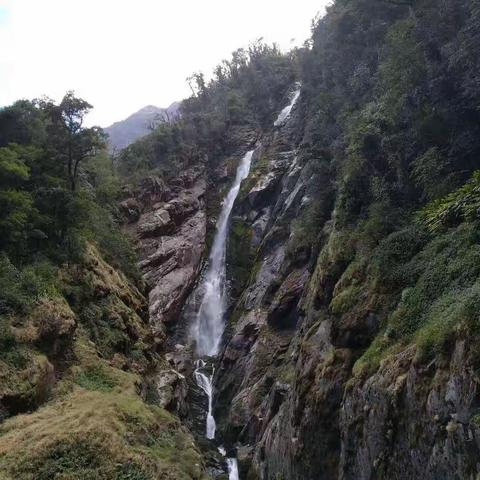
(306, 230)
(19, 289)
(106, 328)
(460, 205)
(10, 352)
(94, 377)
(449, 263)
(390, 263)
(457, 308)
(429, 174)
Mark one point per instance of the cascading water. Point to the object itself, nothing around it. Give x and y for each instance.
(209, 325)
(285, 113)
(206, 384)
(210, 322)
(232, 465)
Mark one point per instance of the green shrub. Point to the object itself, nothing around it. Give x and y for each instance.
(306, 229)
(390, 264)
(95, 378)
(452, 310)
(75, 459)
(10, 352)
(79, 459)
(437, 281)
(403, 67)
(130, 471)
(7, 339)
(105, 328)
(345, 300)
(240, 256)
(449, 263)
(461, 205)
(113, 243)
(379, 349)
(19, 289)
(475, 420)
(429, 174)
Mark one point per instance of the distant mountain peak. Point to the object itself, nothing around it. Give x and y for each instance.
(124, 132)
(150, 109)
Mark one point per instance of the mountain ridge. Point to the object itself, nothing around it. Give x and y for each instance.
(124, 132)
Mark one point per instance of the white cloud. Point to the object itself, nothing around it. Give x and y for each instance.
(122, 55)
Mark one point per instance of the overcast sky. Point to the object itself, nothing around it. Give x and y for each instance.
(122, 55)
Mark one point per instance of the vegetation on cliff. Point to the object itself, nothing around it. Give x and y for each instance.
(244, 94)
(76, 349)
(394, 113)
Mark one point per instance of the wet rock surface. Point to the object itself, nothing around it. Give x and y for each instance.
(425, 413)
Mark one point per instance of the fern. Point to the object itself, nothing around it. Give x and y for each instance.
(459, 206)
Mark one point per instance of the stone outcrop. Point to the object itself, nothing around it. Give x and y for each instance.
(170, 227)
(412, 420)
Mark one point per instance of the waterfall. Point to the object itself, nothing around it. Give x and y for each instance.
(206, 384)
(285, 113)
(232, 465)
(210, 323)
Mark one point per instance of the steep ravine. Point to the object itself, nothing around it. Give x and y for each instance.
(169, 222)
(295, 394)
(287, 394)
(187, 292)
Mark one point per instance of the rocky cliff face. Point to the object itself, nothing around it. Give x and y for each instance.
(170, 225)
(305, 388)
(288, 395)
(413, 420)
(351, 344)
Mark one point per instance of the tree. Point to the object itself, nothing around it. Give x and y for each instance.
(197, 84)
(73, 143)
(16, 203)
(22, 123)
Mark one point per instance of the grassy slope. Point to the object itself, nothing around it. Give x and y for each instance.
(91, 421)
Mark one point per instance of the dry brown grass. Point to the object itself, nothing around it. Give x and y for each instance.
(97, 432)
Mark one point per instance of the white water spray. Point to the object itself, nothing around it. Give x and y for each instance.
(210, 323)
(232, 465)
(285, 113)
(209, 326)
(206, 384)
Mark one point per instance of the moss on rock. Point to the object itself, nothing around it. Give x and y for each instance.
(240, 255)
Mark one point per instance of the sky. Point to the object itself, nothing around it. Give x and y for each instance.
(121, 55)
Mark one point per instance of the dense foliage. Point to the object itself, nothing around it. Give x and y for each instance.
(72, 326)
(391, 100)
(57, 191)
(244, 92)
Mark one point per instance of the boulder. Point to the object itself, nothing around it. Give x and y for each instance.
(131, 209)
